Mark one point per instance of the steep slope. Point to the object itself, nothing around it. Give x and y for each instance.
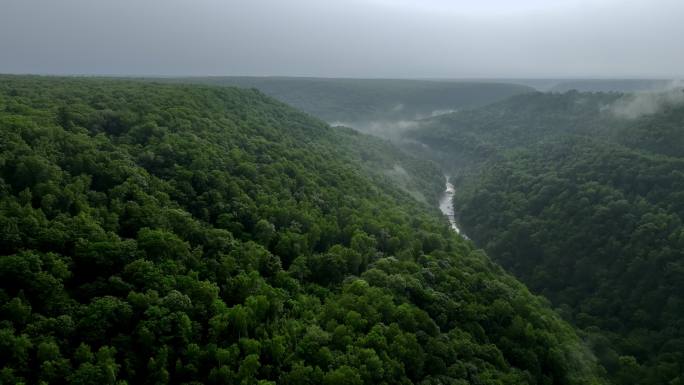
(185, 234)
(586, 208)
(659, 132)
(354, 101)
(461, 141)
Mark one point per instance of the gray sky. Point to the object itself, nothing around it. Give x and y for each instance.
(351, 38)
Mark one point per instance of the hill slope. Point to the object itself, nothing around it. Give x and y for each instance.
(184, 234)
(586, 208)
(463, 140)
(611, 85)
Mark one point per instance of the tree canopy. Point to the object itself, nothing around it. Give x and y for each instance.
(586, 208)
(175, 234)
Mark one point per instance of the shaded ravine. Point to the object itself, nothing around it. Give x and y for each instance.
(446, 205)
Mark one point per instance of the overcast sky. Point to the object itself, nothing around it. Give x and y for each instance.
(350, 38)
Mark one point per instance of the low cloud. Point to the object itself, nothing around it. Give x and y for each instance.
(388, 129)
(635, 105)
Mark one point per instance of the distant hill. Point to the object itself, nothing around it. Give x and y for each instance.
(364, 100)
(463, 140)
(611, 85)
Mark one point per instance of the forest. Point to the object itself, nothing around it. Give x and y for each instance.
(585, 206)
(360, 101)
(341, 192)
(185, 234)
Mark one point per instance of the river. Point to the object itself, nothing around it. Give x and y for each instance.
(446, 205)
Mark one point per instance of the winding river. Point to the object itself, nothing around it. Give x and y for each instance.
(446, 205)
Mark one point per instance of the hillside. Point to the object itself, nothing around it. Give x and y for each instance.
(183, 234)
(463, 140)
(585, 207)
(359, 101)
(611, 85)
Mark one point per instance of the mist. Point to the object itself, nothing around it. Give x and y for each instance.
(388, 129)
(635, 105)
(391, 129)
(350, 38)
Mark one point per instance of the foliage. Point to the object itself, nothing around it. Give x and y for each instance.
(586, 209)
(157, 234)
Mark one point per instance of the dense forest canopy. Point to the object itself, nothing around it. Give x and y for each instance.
(465, 140)
(581, 197)
(178, 234)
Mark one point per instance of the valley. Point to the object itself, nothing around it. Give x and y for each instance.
(166, 233)
(561, 194)
(573, 196)
(341, 192)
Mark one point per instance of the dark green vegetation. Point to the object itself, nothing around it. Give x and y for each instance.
(585, 208)
(155, 234)
(362, 100)
(463, 141)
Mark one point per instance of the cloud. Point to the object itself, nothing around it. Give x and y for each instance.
(344, 38)
(389, 129)
(632, 106)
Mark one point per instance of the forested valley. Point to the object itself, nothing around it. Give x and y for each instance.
(581, 196)
(341, 192)
(184, 234)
